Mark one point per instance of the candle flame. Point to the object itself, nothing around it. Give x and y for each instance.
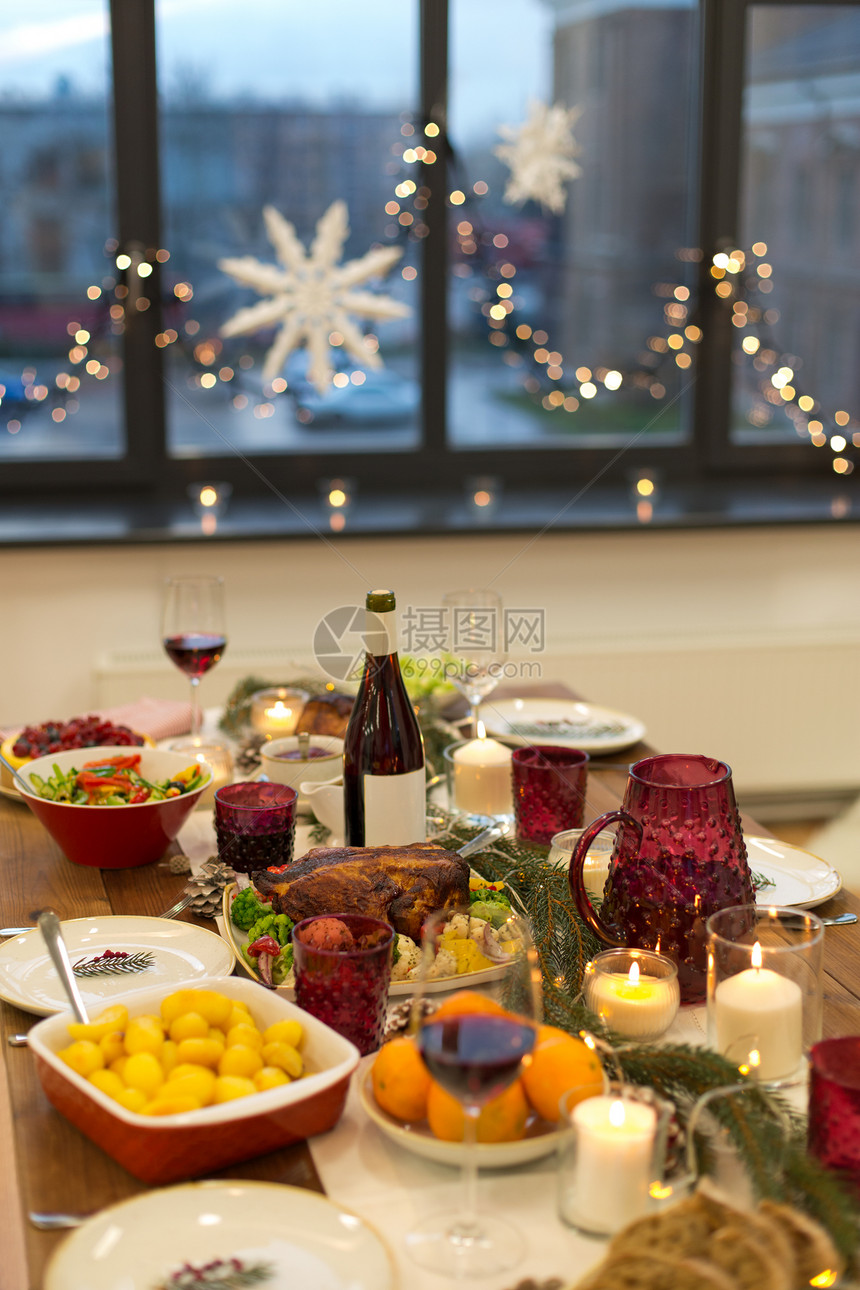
(755, 957)
(633, 974)
(279, 709)
(481, 729)
(616, 1113)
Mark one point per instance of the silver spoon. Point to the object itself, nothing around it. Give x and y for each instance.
(49, 926)
(491, 834)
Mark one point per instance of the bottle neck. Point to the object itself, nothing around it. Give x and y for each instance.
(381, 632)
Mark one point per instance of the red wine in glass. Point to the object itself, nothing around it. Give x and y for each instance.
(193, 631)
(475, 1056)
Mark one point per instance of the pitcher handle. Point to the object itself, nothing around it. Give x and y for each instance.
(576, 878)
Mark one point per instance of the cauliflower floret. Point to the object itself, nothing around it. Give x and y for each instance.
(443, 965)
(458, 927)
(409, 960)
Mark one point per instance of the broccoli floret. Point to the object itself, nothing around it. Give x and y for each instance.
(282, 965)
(494, 912)
(247, 908)
(278, 926)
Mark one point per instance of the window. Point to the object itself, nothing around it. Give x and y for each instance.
(163, 161)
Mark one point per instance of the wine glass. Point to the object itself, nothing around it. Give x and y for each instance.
(475, 1050)
(193, 631)
(474, 634)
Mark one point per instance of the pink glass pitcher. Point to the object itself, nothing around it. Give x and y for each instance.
(679, 856)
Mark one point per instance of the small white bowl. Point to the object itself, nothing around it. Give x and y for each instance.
(295, 770)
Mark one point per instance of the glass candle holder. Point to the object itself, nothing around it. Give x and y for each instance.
(833, 1134)
(217, 756)
(276, 711)
(634, 992)
(255, 825)
(764, 989)
(549, 791)
(595, 870)
(478, 775)
(611, 1157)
(342, 965)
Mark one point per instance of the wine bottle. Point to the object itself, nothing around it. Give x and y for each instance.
(383, 752)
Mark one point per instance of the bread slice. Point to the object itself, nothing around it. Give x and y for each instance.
(763, 1230)
(679, 1231)
(655, 1272)
(750, 1265)
(812, 1247)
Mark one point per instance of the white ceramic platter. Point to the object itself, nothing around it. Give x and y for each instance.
(564, 722)
(284, 1237)
(236, 938)
(170, 953)
(797, 877)
(540, 1140)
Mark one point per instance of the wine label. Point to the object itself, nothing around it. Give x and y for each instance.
(394, 809)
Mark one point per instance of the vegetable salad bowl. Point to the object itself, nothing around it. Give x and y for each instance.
(113, 837)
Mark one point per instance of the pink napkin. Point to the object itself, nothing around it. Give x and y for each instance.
(158, 718)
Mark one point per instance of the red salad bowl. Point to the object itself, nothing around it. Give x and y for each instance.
(113, 837)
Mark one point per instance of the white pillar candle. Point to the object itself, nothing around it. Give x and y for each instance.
(613, 1163)
(482, 776)
(764, 1011)
(631, 1003)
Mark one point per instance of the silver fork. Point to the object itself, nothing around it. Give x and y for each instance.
(177, 908)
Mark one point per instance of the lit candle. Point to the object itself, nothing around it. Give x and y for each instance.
(764, 1011)
(614, 1162)
(482, 776)
(277, 711)
(633, 1003)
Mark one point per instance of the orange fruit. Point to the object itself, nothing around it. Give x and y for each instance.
(400, 1079)
(559, 1062)
(467, 1001)
(503, 1119)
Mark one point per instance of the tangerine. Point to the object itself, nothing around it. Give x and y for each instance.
(502, 1119)
(560, 1062)
(400, 1079)
(467, 1001)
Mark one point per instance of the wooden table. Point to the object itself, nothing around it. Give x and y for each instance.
(51, 1165)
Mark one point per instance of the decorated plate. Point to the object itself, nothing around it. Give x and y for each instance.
(565, 722)
(236, 938)
(793, 876)
(541, 1137)
(266, 1235)
(112, 958)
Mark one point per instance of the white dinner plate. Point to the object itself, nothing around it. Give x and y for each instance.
(541, 1138)
(236, 938)
(282, 1237)
(797, 877)
(163, 952)
(565, 722)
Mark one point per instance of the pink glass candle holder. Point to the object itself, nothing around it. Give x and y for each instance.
(255, 825)
(549, 791)
(833, 1133)
(342, 966)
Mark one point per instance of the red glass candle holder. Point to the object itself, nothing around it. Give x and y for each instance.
(549, 791)
(343, 980)
(834, 1105)
(255, 825)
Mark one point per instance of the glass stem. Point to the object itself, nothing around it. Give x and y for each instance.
(467, 1225)
(473, 717)
(195, 708)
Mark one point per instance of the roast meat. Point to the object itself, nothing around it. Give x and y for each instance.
(401, 885)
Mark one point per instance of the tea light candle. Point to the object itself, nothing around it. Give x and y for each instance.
(482, 776)
(765, 1010)
(634, 1003)
(615, 1140)
(277, 711)
(216, 756)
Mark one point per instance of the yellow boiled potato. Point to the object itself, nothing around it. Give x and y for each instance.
(112, 1046)
(195, 1081)
(270, 1077)
(108, 1082)
(83, 1056)
(144, 1035)
(110, 1019)
(143, 1071)
(216, 1033)
(230, 1087)
(118, 1065)
(240, 1059)
(239, 1016)
(200, 1052)
(172, 1105)
(214, 1006)
(189, 1025)
(168, 1057)
(177, 1003)
(284, 1056)
(284, 1032)
(245, 1034)
(133, 1099)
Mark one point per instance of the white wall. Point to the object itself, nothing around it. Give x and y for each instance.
(742, 644)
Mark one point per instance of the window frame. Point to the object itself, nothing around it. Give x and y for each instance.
(146, 472)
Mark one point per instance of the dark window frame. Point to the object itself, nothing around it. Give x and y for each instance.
(147, 474)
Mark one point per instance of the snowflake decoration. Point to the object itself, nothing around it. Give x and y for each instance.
(539, 154)
(311, 295)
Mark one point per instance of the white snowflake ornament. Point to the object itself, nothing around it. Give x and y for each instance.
(539, 154)
(311, 295)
